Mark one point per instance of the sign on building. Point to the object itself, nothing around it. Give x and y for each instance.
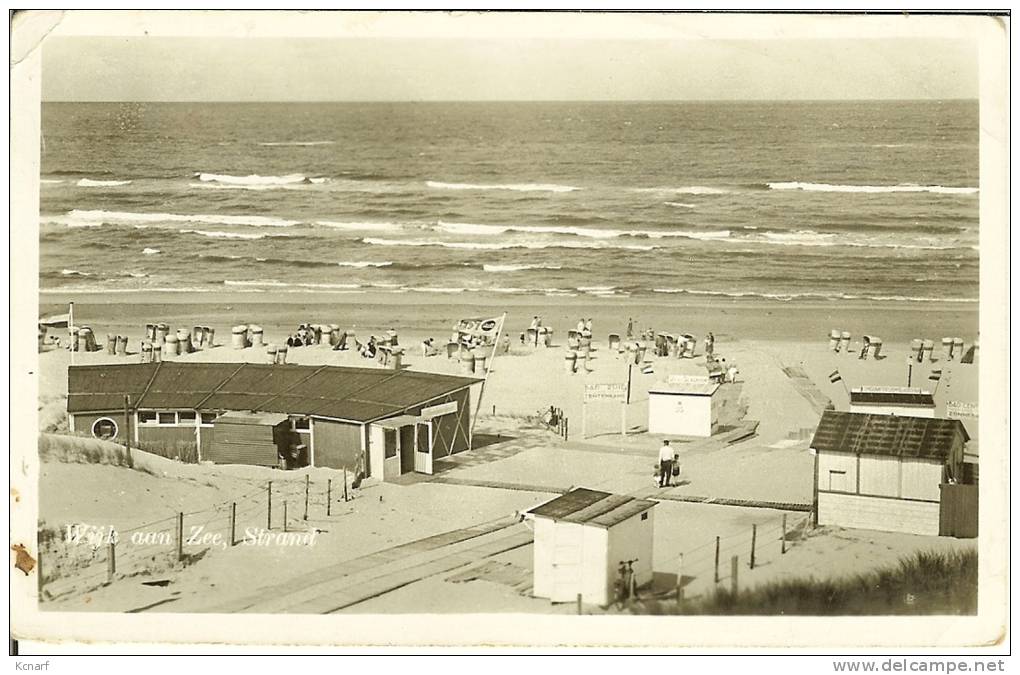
(605, 392)
(958, 409)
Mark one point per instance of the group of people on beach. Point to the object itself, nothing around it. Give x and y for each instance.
(584, 328)
(303, 337)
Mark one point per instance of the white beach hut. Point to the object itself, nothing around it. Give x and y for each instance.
(684, 407)
(582, 537)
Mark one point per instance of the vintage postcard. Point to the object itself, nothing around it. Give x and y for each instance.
(509, 329)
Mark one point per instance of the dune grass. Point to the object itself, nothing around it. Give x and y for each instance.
(82, 450)
(929, 582)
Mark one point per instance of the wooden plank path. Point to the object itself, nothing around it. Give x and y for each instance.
(807, 388)
(335, 587)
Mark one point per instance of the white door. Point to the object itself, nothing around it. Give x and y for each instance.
(423, 447)
(566, 561)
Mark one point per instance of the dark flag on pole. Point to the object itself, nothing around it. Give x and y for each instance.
(834, 376)
(935, 375)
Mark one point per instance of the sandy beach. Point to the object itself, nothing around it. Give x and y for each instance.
(518, 465)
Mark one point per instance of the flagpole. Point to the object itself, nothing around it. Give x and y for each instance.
(485, 378)
(70, 329)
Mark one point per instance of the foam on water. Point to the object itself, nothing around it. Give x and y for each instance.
(88, 182)
(515, 187)
(518, 268)
(257, 180)
(873, 189)
(96, 216)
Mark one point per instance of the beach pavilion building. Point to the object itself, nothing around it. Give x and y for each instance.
(893, 473)
(372, 422)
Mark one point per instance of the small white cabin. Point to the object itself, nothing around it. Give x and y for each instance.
(683, 408)
(885, 472)
(581, 538)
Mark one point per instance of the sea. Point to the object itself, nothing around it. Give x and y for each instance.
(791, 201)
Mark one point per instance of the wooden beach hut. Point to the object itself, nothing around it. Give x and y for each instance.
(886, 472)
(581, 537)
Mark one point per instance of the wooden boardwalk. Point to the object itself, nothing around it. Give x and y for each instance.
(807, 388)
(333, 588)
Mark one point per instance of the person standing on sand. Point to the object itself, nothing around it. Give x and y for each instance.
(630, 329)
(665, 464)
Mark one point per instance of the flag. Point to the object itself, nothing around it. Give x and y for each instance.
(56, 321)
(485, 329)
(834, 376)
(935, 375)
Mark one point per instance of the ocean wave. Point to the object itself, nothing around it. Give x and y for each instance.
(818, 296)
(216, 234)
(261, 282)
(361, 264)
(681, 205)
(151, 251)
(362, 227)
(50, 181)
(88, 182)
(275, 144)
(596, 289)
(515, 187)
(256, 180)
(590, 232)
(499, 247)
(86, 218)
(436, 289)
(518, 268)
(686, 190)
(74, 273)
(872, 189)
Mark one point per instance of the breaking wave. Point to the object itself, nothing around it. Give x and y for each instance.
(88, 182)
(516, 187)
(85, 218)
(872, 189)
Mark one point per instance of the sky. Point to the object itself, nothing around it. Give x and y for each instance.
(160, 68)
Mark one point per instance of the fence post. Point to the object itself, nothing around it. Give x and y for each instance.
(680, 582)
(734, 566)
(754, 540)
(345, 484)
(579, 612)
(329, 497)
(717, 560)
(307, 485)
(111, 562)
(284, 515)
(784, 534)
(233, 523)
(180, 536)
(269, 508)
(566, 429)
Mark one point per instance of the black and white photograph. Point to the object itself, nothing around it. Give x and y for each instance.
(539, 323)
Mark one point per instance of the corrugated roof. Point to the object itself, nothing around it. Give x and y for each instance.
(592, 507)
(895, 435)
(923, 398)
(355, 394)
(101, 389)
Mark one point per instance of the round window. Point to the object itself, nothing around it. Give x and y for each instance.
(104, 427)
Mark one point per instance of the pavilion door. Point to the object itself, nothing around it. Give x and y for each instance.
(423, 447)
(407, 453)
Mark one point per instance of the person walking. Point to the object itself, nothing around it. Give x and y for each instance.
(665, 464)
(630, 329)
